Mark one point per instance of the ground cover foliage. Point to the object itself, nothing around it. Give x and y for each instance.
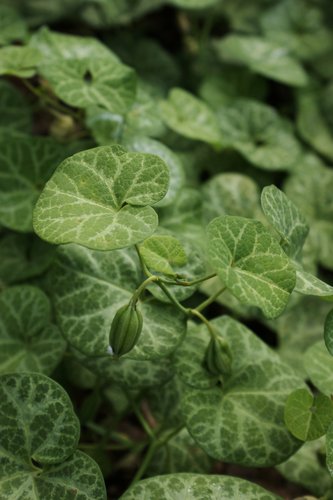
(166, 236)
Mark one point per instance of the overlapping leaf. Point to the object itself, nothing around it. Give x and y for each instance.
(19, 61)
(12, 25)
(101, 198)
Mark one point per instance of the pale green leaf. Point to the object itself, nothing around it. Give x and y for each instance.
(262, 56)
(190, 117)
(26, 163)
(90, 286)
(242, 420)
(257, 132)
(28, 339)
(286, 219)
(19, 61)
(306, 469)
(93, 81)
(197, 486)
(308, 417)
(100, 198)
(15, 111)
(328, 332)
(308, 284)
(162, 252)
(318, 363)
(251, 264)
(12, 26)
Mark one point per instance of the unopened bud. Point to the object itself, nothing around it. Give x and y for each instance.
(125, 329)
(218, 357)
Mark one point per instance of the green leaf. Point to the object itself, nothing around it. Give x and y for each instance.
(28, 339)
(306, 469)
(40, 432)
(318, 364)
(205, 487)
(329, 449)
(194, 4)
(23, 256)
(19, 61)
(12, 26)
(15, 112)
(257, 132)
(179, 454)
(100, 198)
(286, 219)
(161, 252)
(241, 421)
(26, 163)
(98, 81)
(251, 263)
(230, 194)
(308, 284)
(190, 117)
(328, 332)
(90, 286)
(308, 417)
(262, 56)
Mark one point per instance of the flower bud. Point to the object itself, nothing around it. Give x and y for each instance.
(218, 357)
(125, 329)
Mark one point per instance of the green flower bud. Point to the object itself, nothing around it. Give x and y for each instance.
(125, 329)
(218, 357)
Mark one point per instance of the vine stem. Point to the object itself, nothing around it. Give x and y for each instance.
(198, 314)
(210, 299)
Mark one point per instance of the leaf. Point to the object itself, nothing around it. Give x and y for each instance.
(318, 364)
(230, 194)
(194, 4)
(305, 468)
(98, 81)
(161, 252)
(23, 256)
(190, 117)
(15, 112)
(100, 198)
(257, 132)
(179, 454)
(19, 61)
(26, 163)
(262, 56)
(308, 417)
(28, 339)
(242, 421)
(328, 332)
(286, 219)
(89, 287)
(12, 26)
(308, 284)
(39, 435)
(177, 176)
(251, 263)
(170, 487)
(329, 449)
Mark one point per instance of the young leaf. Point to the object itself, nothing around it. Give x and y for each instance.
(285, 217)
(191, 117)
(308, 417)
(262, 56)
(259, 134)
(318, 364)
(161, 252)
(26, 163)
(40, 432)
(101, 198)
(242, 421)
(169, 487)
(251, 263)
(28, 339)
(19, 61)
(90, 286)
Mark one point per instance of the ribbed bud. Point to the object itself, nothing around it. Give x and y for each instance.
(218, 357)
(125, 329)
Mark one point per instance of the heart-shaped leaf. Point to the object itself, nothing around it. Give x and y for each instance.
(90, 286)
(308, 417)
(100, 198)
(40, 432)
(251, 263)
(28, 339)
(161, 252)
(242, 421)
(169, 487)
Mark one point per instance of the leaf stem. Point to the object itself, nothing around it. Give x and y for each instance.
(172, 298)
(198, 314)
(210, 299)
(188, 283)
(140, 289)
